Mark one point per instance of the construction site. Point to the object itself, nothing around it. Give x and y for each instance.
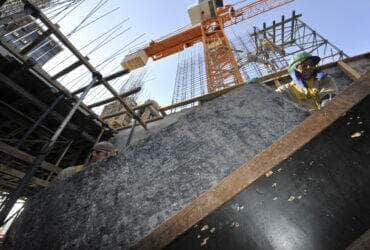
(261, 141)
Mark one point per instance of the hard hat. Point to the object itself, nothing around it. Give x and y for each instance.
(301, 57)
(104, 146)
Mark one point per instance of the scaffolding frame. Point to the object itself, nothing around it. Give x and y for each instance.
(8, 7)
(77, 96)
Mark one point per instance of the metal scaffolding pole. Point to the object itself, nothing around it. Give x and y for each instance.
(97, 79)
(54, 29)
(35, 125)
(13, 197)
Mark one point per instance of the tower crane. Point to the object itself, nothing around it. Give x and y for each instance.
(209, 18)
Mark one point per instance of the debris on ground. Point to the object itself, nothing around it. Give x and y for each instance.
(269, 173)
(204, 241)
(291, 198)
(356, 135)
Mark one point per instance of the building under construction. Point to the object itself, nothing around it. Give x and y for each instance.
(229, 164)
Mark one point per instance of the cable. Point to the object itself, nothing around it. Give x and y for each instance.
(89, 43)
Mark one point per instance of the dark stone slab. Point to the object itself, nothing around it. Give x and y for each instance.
(114, 204)
(316, 199)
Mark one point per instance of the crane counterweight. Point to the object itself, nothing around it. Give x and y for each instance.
(135, 60)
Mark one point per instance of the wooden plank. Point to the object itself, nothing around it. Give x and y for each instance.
(20, 174)
(262, 163)
(7, 149)
(349, 71)
(203, 98)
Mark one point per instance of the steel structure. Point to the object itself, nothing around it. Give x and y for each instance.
(260, 52)
(220, 63)
(9, 7)
(275, 44)
(21, 30)
(190, 77)
(17, 69)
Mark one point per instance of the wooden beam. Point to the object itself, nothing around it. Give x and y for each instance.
(203, 98)
(112, 99)
(348, 70)
(262, 163)
(7, 149)
(125, 112)
(277, 83)
(147, 122)
(20, 174)
(65, 71)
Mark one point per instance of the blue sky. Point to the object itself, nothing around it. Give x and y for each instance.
(344, 23)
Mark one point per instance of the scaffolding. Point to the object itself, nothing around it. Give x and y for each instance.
(55, 106)
(133, 84)
(190, 77)
(10, 7)
(21, 30)
(260, 52)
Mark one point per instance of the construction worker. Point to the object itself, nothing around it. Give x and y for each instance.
(100, 151)
(310, 87)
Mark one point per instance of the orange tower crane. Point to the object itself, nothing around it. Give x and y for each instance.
(208, 21)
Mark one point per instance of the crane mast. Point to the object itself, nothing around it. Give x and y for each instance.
(221, 66)
(208, 21)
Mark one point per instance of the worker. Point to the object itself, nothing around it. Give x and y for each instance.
(310, 87)
(100, 151)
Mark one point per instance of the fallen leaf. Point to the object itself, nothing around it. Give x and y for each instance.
(205, 227)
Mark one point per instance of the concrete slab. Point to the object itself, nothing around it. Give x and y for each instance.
(116, 203)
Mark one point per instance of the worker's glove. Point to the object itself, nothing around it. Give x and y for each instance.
(278, 90)
(312, 92)
(282, 88)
